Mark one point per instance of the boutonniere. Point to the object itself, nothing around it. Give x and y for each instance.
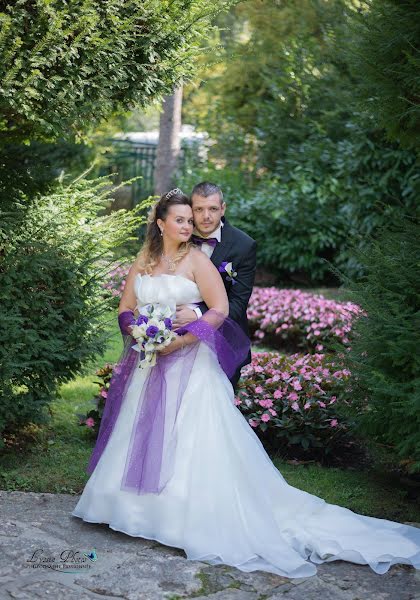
(227, 267)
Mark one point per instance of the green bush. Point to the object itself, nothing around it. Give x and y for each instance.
(52, 270)
(67, 65)
(384, 55)
(325, 197)
(384, 358)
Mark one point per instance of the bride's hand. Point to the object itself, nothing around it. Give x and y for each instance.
(176, 344)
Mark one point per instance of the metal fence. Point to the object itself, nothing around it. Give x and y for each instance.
(129, 159)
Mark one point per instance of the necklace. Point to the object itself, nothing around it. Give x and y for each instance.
(171, 263)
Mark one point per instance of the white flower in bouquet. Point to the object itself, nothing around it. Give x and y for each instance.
(153, 331)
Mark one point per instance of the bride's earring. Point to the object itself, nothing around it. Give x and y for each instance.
(161, 232)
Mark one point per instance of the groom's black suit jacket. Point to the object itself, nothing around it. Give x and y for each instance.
(240, 249)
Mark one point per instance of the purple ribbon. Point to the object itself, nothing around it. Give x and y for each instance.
(150, 458)
(125, 321)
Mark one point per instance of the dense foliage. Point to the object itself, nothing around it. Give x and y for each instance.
(386, 57)
(280, 76)
(325, 197)
(52, 318)
(66, 66)
(384, 356)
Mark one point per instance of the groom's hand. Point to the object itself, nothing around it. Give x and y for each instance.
(183, 316)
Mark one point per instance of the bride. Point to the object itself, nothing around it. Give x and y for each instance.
(175, 460)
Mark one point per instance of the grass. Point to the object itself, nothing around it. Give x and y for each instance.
(55, 459)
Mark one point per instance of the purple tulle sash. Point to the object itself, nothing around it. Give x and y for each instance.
(149, 464)
(121, 378)
(223, 336)
(152, 447)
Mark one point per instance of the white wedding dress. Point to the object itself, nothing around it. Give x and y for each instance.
(226, 503)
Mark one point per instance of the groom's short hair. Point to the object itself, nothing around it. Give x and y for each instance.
(206, 188)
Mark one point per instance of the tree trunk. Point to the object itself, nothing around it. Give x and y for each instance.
(169, 145)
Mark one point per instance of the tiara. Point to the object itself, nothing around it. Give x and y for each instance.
(172, 193)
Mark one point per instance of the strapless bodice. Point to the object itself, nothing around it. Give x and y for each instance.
(170, 290)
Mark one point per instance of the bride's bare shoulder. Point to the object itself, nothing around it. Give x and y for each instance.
(199, 260)
(197, 257)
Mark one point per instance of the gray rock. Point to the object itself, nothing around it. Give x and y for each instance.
(41, 556)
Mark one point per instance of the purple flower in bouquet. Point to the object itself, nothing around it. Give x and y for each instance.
(152, 331)
(142, 319)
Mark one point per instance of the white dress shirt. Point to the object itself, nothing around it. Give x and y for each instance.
(207, 249)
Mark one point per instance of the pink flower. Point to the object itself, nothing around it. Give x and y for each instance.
(322, 404)
(295, 406)
(334, 423)
(265, 417)
(278, 394)
(259, 390)
(90, 422)
(307, 405)
(293, 396)
(273, 412)
(267, 403)
(296, 385)
(104, 393)
(253, 422)
(238, 401)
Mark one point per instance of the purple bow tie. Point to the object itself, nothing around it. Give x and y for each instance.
(199, 241)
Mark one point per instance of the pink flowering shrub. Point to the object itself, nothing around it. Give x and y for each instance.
(115, 282)
(292, 319)
(293, 401)
(92, 419)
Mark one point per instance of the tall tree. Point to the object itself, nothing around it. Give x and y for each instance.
(169, 145)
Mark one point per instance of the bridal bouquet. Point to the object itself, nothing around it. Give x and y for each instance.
(152, 331)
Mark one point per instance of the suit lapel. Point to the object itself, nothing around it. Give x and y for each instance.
(223, 246)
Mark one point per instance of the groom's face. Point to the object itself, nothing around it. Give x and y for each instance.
(207, 213)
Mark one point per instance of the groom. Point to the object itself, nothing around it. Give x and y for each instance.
(231, 250)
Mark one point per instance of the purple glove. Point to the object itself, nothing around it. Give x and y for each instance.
(125, 319)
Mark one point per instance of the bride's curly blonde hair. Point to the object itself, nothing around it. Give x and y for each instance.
(151, 251)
